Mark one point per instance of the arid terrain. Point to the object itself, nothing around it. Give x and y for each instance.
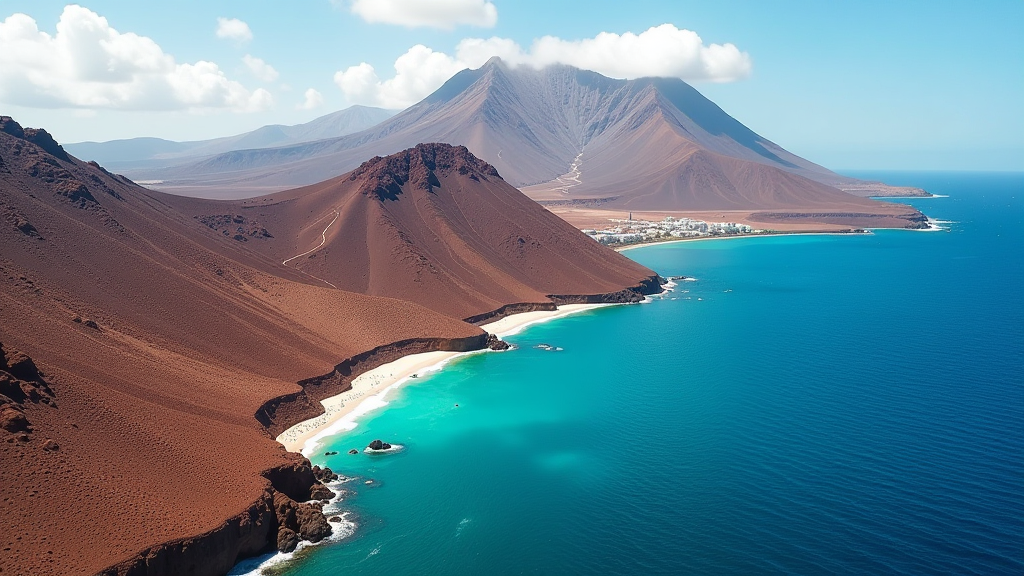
(152, 344)
(565, 135)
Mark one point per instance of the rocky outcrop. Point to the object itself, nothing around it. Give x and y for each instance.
(379, 445)
(495, 343)
(304, 519)
(321, 493)
(235, 226)
(211, 554)
(648, 286)
(324, 474)
(21, 385)
(278, 520)
(508, 310)
(420, 166)
(278, 414)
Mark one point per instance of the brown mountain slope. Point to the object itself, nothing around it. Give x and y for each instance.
(160, 339)
(465, 241)
(531, 125)
(680, 175)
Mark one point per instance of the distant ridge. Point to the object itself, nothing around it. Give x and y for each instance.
(148, 153)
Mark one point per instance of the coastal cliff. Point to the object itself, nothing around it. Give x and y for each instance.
(276, 520)
(258, 529)
(279, 414)
(648, 286)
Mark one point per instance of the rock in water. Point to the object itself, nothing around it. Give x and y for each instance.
(495, 343)
(378, 445)
(320, 492)
(353, 451)
(313, 525)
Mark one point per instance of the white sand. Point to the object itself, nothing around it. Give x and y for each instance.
(369, 389)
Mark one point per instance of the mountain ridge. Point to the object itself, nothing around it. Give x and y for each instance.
(143, 152)
(532, 125)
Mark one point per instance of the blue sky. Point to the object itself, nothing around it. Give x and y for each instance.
(850, 85)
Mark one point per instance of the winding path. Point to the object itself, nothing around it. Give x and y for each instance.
(572, 177)
(323, 240)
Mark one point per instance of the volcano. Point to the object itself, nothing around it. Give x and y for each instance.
(570, 136)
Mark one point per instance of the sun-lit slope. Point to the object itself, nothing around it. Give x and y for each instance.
(160, 339)
(633, 138)
(436, 226)
(655, 162)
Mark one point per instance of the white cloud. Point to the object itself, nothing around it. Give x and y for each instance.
(314, 99)
(658, 51)
(443, 14)
(233, 29)
(259, 68)
(418, 72)
(88, 64)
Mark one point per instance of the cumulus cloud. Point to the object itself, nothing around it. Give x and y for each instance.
(233, 29)
(443, 14)
(418, 72)
(663, 50)
(259, 68)
(88, 64)
(314, 99)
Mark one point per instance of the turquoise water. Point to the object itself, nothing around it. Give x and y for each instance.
(809, 405)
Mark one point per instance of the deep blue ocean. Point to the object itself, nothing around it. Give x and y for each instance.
(808, 405)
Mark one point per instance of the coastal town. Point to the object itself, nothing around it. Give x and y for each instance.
(630, 231)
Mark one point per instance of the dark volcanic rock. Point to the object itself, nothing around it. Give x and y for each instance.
(20, 382)
(321, 492)
(324, 475)
(8, 125)
(42, 138)
(418, 166)
(287, 540)
(22, 367)
(379, 445)
(313, 526)
(353, 451)
(495, 343)
(11, 388)
(13, 420)
(305, 518)
(284, 510)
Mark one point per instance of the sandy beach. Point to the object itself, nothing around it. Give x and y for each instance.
(369, 389)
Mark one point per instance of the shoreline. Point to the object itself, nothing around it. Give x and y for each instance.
(369, 390)
(866, 232)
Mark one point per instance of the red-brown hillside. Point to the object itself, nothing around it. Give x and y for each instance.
(436, 226)
(159, 336)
